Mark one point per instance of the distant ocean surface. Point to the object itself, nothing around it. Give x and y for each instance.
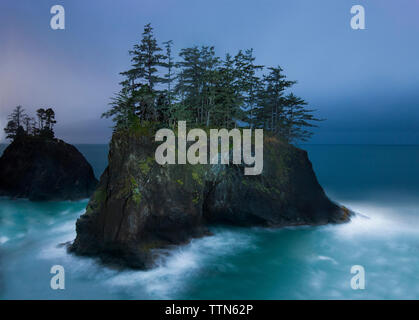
(379, 182)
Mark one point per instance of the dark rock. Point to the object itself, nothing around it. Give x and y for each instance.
(45, 169)
(140, 205)
(287, 193)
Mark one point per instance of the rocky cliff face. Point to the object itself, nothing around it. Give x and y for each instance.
(45, 169)
(140, 205)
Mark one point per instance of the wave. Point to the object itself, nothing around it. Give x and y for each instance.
(309, 262)
(375, 220)
(176, 269)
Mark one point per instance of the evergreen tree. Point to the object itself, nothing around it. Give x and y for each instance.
(145, 61)
(50, 119)
(46, 122)
(206, 91)
(49, 123)
(18, 115)
(249, 82)
(169, 65)
(29, 125)
(191, 79)
(122, 111)
(21, 124)
(271, 100)
(228, 100)
(297, 120)
(141, 80)
(40, 113)
(11, 130)
(210, 76)
(15, 124)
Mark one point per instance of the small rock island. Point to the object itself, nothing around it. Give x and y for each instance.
(40, 167)
(140, 205)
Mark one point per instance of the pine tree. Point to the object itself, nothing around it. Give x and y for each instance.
(122, 111)
(46, 122)
(271, 100)
(11, 130)
(141, 80)
(18, 115)
(297, 119)
(15, 124)
(40, 113)
(170, 66)
(189, 86)
(210, 76)
(206, 91)
(249, 82)
(50, 122)
(145, 61)
(228, 99)
(29, 125)
(21, 124)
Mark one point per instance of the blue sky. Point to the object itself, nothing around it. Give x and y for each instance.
(365, 82)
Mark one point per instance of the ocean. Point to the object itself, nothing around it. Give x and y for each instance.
(379, 182)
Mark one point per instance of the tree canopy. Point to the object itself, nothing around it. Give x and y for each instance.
(207, 91)
(19, 123)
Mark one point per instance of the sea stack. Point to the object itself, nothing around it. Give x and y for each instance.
(42, 169)
(140, 205)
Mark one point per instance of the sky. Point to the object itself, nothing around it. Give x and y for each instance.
(363, 82)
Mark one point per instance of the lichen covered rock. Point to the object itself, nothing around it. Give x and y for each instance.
(140, 205)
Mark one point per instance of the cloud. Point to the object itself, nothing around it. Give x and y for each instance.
(340, 71)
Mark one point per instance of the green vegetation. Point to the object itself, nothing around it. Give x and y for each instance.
(21, 124)
(146, 165)
(206, 91)
(136, 196)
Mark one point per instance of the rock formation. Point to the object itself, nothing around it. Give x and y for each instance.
(140, 205)
(45, 169)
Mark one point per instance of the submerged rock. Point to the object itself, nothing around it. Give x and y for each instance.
(45, 169)
(140, 205)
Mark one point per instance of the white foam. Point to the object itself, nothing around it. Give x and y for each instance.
(375, 220)
(176, 270)
(62, 232)
(4, 239)
(324, 258)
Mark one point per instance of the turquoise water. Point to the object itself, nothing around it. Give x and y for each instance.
(379, 182)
